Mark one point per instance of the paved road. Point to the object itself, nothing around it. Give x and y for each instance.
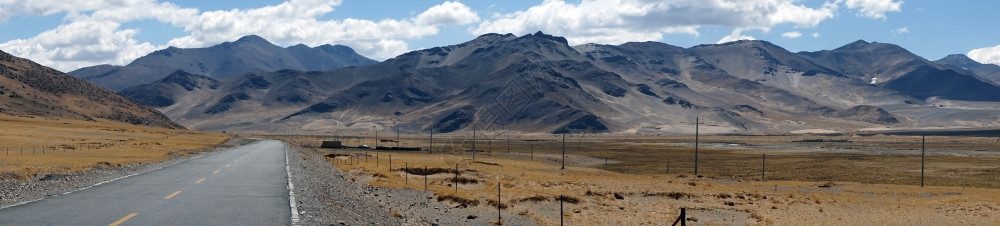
(242, 186)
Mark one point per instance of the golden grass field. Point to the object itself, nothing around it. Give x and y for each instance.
(34, 146)
(806, 184)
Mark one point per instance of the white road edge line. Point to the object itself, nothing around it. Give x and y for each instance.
(123, 177)
(291, 190)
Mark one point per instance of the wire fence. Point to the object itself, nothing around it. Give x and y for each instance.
(880, 159)
(71, 147)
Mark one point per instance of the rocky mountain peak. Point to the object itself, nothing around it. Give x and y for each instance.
(543, 36)
(958, 60)
(252, 39)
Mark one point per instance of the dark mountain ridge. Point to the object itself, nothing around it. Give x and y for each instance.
(962, 62)
(248, 54)
(890, 66)
(538, 83)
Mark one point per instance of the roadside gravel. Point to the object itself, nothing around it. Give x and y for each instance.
(42, 186)
(326, 195)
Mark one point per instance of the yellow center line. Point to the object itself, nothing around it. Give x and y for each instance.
(123, 219)
(200, 180)
(172, 195)
(216, 172)
(227, 165)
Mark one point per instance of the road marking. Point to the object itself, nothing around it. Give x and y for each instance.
(236, 160)
(216, 172)
(200, 180)
(120, 221)
(227, 165)
(172, 195)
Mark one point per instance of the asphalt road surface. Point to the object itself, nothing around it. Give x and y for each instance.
(246, 185)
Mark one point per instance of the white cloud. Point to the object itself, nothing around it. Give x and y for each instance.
(987, 55)
(815, 34)
(874, 8)
(617, 21)
(902, 30)
(92, 33)
(735, 36)
(80, 44)
(791, 34)
(448, 13)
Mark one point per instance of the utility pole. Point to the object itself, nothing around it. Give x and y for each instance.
(431, 151)
(473, 142)
(563, 151)
(763, 160)
(696, 124)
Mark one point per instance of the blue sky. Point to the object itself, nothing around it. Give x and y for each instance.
(90, 32)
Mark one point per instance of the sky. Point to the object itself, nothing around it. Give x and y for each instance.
(67, 35)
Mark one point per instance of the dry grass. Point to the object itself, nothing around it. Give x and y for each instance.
(632, 189)
(33, 147)
(877, 159)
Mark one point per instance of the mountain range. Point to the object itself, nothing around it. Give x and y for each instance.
(248, 54)
(32, 90)
(960, 61)
(539, 83)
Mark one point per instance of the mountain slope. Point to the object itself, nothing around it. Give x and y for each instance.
(895, 68)
(248, 54)
(533, 83)
(987, 71)
(30, 89)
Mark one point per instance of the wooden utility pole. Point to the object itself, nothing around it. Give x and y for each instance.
(696, 123)
(473, 142)
(763, 159)
(563, 151)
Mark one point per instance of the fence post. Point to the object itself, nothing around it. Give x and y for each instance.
(923, 154)
(406, 166)
(682, 218)
(561, 210)
(563, 151)
(425, 177)
(456, 177)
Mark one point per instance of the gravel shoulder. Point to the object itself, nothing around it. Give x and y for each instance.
(42, 186)
(326, 195)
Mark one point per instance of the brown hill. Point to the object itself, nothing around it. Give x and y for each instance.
(30, 89)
